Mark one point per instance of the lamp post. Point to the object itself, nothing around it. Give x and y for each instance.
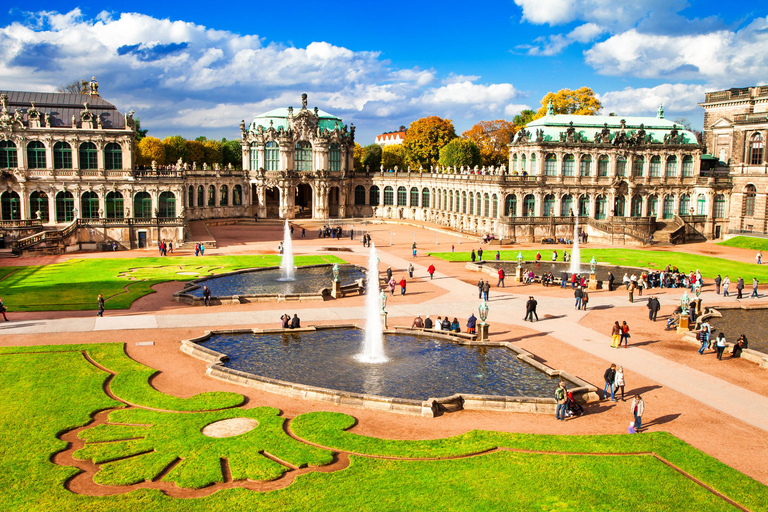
(519, 270)
(592, 275)
(483, 326)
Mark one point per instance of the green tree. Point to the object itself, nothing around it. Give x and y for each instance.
(393, 155)
(140, 134)
(581, 102)
(523, 118)
(372, 157)
(424, 139)
(175, 148)
(232, 153)
(460, 152)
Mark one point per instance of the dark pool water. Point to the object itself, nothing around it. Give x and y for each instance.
(752, 323)
(418, 368)
(308, 280)
(601, 272)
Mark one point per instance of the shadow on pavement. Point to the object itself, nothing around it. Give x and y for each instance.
(661, 420)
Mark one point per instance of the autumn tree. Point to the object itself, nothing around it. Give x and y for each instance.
(175, 148)
(424, 139)
(357, 158)
(372, 157)
(460, 152)
(393, 156)
(148, 149)
(565, 101)
(195, 152)
(492, 138)
(214, 152)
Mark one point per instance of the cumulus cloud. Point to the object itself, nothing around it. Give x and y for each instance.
(469, 93)
(601, 12)
(554, 44)
(678, 99)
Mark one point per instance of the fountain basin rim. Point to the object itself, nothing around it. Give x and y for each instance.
(428, 408)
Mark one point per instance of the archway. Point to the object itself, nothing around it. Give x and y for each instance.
(333, 202)
(303, 201)
(272, 202)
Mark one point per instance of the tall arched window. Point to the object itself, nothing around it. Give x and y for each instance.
(495, 206)
(669, 207)
(621, 166)
(38, 202)
(602, 165)
(636, 208)
(374, 194)
(166, 208)
(425, 197)
(655, 170)
(550, 165)
(359, 195)
(36, 155)
(487, 209)
(671, 171)
(585, 166)
(600, 212)
(584, 206)
(191, 197)
(568, 163)
(211, 195)
(8, 155)
(463, 202)
(749, 201)
(478, 204)
(223, 195)
(471, 201)
(522, 163)
(142, 205)
(548, 205)
(402, 197)
(10, 205)
(701, 205)
(637, 166)
(533, 163)
(303, 156)
(200, 196)
(334, 157)
(89, 205)
(619, 205)
(62, 155)
(254, 157)
(510, 206)
(113, 156)
(414, 197)
(88, 156)
(756, 150)
(65, 207)
(389, 196)
(450, 200)
(529, 206)
(514, 162)
(719, 212)
(114, 205)
(687, 166)
(653, 206)
(566, 205)
(237, 195)
(685, 205)
(272, 156)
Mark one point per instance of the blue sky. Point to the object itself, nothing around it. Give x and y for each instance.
(189, 68)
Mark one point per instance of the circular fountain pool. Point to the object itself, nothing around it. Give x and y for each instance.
(418, 367)
(557, 267)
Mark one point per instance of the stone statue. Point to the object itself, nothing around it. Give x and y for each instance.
(242, 126)
(205, 166)
(540, 135)
(194, 166)
(94, 85)
(605, 134)
(570, 133)
(154, 165)
(304, 101)
(37, 214)
(47, 119)
(641, 134)
(98, 122)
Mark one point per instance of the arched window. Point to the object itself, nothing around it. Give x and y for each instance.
(568, 163)
(486, 210)
(685, 205)
(142, 205)
(113, 156)
(359, 195)
(89, 205)
(602, 165)
(550, 165)
(749, 201)
(653, 206)
(200, 196)
(529, 206)
(522, 163)
(584, 206)
(36, 155)
(600, 212)
(38, 202)
(334, 157)
(687, 166)
(402, 197)
(548, 205)
(719, 212)
(254, 154)
(533, 163)
(669, 207)
(303, 156)
(756, 150)
(414, 197)
(621, 166)
(636, 208)
(637, 166)
(62, 155)
(223, 195)
(211, 195)
(566, 205)
(463, 202)
(478, 204)
(237, 195)
(10, 205)
(450, 200)
(701, 205)
(8, 155)
(514, 162)
(389, 196)
(166, 208)
(425, 197)
(114, 205)
(374, 195)
(272, 156)
(439, 200)
(445, 200)
(88, 156)
(585, 166)
(618, 206)
(510, 206)
(191, 197)
(495, 208)
(671, 171)
(65, 207)
(655, 170)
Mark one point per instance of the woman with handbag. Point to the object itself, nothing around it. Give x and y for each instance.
(624, 334)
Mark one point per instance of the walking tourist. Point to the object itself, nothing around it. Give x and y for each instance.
(718, 282)
(472, 255)
(653, 307)
(561, 396)
(563, 279)
(720, 342)
(759, 257)
(739, 288)
(754, 288)
(431, 271)
(703, 336)
(413, 248)
(410, 270)
(638, 409)
(402, 286)
(726, 285)
(389, 273)
(624, 333)
(530, 309)
(631, 291)
(202, 249)
(392, 285)
(100, 300)
(501, 278)
(584, 299)
(609, 376)
(480, 254)
(498, 255)
(486, 289)
(579, 294)
(480, 285)
(619, 381)
(616, 335)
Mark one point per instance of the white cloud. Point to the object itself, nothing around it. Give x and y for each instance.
(601, 12)
(678, 99)
(514, 109)
(555, 43)
(468, 93)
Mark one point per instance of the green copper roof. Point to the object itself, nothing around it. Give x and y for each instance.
(279, 117)
(586, 126)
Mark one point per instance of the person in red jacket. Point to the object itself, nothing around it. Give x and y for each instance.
(501, 278)
(431, 271)
(402, 286)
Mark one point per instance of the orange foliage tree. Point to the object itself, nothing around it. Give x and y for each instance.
(424, 139)
(492, 138)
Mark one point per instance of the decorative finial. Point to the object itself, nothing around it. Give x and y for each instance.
(304, 101)
(550, 108)
(660, 111)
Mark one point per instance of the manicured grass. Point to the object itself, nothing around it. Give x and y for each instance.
(46, 392)
(747, 242)
(75, 284)
(709, 266)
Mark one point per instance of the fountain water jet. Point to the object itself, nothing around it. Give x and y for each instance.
(286, 264)
(373, 342)
(575, 252)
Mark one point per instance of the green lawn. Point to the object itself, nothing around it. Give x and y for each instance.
(710, 266)
(50, 390)
(75, 284)
(747, 242)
